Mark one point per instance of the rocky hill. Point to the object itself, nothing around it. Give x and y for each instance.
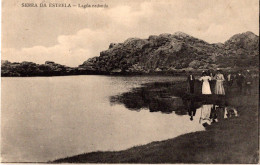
(32, 69)
(171, 52)
(166, 53)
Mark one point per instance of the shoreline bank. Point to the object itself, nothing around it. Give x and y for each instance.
(230, 141)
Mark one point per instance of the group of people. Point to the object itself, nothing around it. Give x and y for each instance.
(215, 83)
(218, 84)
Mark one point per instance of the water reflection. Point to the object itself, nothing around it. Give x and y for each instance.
(192, 110)
(205, 118)
(155, 97)
(160, 98)
(71, 115)
(211, 113)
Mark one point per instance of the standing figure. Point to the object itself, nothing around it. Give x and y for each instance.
(219, 88)
(205, 85)
(248, 82)
(211, 82)
(230, 79)
(191, 80)
(240, 80)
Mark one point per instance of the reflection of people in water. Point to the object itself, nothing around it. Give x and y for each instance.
(210, 113)
(205, 118)
(213, 114)
(230, 112)
(222, 112)
(191, 109)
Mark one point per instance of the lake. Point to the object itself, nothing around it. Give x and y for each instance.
(46, 118)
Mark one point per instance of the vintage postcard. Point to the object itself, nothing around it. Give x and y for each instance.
(130, 81)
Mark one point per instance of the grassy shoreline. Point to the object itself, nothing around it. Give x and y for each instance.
(229, 141)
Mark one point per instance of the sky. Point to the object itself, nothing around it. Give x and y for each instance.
(70, 36)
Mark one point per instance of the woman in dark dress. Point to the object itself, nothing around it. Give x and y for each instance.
(212, 81)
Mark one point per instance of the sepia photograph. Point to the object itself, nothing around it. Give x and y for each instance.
(130, 81)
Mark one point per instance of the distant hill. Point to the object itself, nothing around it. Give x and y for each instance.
(25, 68)
(166, 53)
(169, 52)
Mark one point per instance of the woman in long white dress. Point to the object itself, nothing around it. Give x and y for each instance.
(205, 85)
(219, 88)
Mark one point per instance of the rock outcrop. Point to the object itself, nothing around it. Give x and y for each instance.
(168, 52)
(32, 69)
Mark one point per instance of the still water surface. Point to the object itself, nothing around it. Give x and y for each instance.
(46, 118)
